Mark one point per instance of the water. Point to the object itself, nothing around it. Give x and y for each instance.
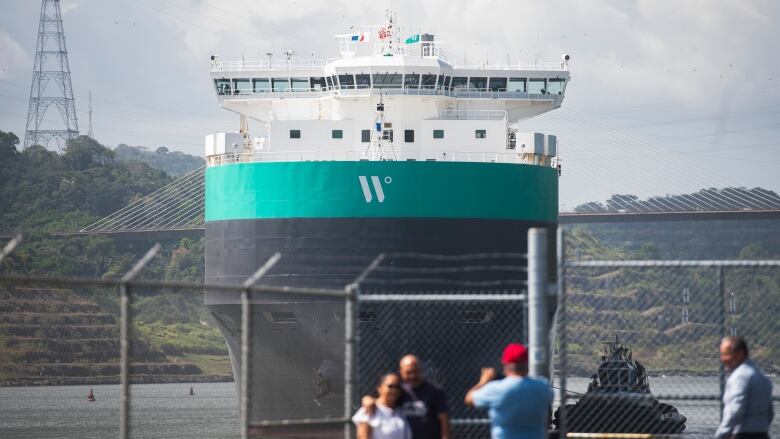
(158, 411)
(166, 411)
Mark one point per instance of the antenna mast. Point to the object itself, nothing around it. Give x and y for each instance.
(90, 116)
(51, 65)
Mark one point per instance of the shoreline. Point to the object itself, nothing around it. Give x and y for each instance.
(136, 379)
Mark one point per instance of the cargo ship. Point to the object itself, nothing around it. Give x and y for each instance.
(393, 148)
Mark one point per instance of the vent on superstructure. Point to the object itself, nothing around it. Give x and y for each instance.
(367, 316)
(281, 317)
(475, 316)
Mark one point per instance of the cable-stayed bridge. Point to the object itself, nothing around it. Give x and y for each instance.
(178, 209)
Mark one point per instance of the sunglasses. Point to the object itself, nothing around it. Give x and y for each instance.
(393, 386)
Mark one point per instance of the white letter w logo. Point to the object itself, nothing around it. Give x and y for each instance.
(380, 194)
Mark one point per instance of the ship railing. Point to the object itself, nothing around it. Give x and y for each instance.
(241, 65)
(364, 90)
(538, 66)
(472, 115)
(363, 155)
(434, 51)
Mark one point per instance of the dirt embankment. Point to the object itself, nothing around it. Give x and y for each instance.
(56, 337)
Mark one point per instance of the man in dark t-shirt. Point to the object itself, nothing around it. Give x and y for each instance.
(422, 403)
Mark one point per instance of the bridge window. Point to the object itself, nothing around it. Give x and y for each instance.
(387, 80)
(459, 82)
(223, 86)
(428, 81)
(280, 84)
(334, 81)
(412, 80)
(261, 85)
(555, 86)
(516, 85)
(480, 134)
(300, 84)
(438, 134)
(295, 134)
(363, 80)
(365, 136)
(446, 83)
(346, 81)
(536, 86)
(478, 83)
(409, 136)
(497, 84)
(439, 81)
(337, 134)
(318, 84)
(241, 86)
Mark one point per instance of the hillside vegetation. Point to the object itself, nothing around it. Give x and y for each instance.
(76, 328)
(672, 317)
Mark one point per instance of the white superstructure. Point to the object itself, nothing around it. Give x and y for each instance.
(392, 95)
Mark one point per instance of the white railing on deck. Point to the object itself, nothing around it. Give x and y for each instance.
(255, 65)
(373, 155)
(472, 115)
(219, 65)
(401, 90)
(541, 65)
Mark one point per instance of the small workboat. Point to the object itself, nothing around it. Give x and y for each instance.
(619, 400)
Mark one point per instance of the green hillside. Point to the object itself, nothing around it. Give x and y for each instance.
(76, 328)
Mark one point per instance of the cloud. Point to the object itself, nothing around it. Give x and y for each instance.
(635, 49)
(67, 6)
(12, 57)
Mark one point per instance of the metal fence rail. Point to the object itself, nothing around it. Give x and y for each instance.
(668, 317)
(251, 297)
(442, 308)
(456, 313)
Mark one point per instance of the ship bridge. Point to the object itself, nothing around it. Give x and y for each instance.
(393, 94)
(257, 87)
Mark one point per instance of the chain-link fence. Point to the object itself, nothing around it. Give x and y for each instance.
(637, 347)
(455, 313)
(638, 341)
(287, 349)
(301, 357)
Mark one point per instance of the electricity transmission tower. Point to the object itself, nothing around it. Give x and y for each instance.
(51, 83)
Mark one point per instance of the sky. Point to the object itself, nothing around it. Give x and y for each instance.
(666, 97)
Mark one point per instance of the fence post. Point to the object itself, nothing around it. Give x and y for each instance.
(246, 327)
(124, 344)
(537, 303)
(351, 335)
(562, 343)
(722, 303)
(10, 246)
(350, 353)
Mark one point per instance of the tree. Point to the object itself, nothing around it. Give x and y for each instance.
(162, 150)
(8, 143)
(620, 202)
(84, 152)
(590, 207)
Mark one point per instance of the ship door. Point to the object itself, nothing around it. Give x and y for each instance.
(387, 132)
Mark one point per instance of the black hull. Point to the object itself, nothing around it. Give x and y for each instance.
(621, 413)
(298, 343)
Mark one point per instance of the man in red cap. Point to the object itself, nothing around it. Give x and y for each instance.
(518, 404)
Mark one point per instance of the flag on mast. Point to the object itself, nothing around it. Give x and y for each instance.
(413, 39)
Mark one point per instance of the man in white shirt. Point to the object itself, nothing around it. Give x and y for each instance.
(747, 400)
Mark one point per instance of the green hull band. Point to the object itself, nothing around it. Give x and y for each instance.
(363, 189)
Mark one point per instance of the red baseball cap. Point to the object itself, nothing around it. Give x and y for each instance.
(514, 353)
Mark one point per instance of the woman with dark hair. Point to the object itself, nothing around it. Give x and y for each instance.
(386, 422)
